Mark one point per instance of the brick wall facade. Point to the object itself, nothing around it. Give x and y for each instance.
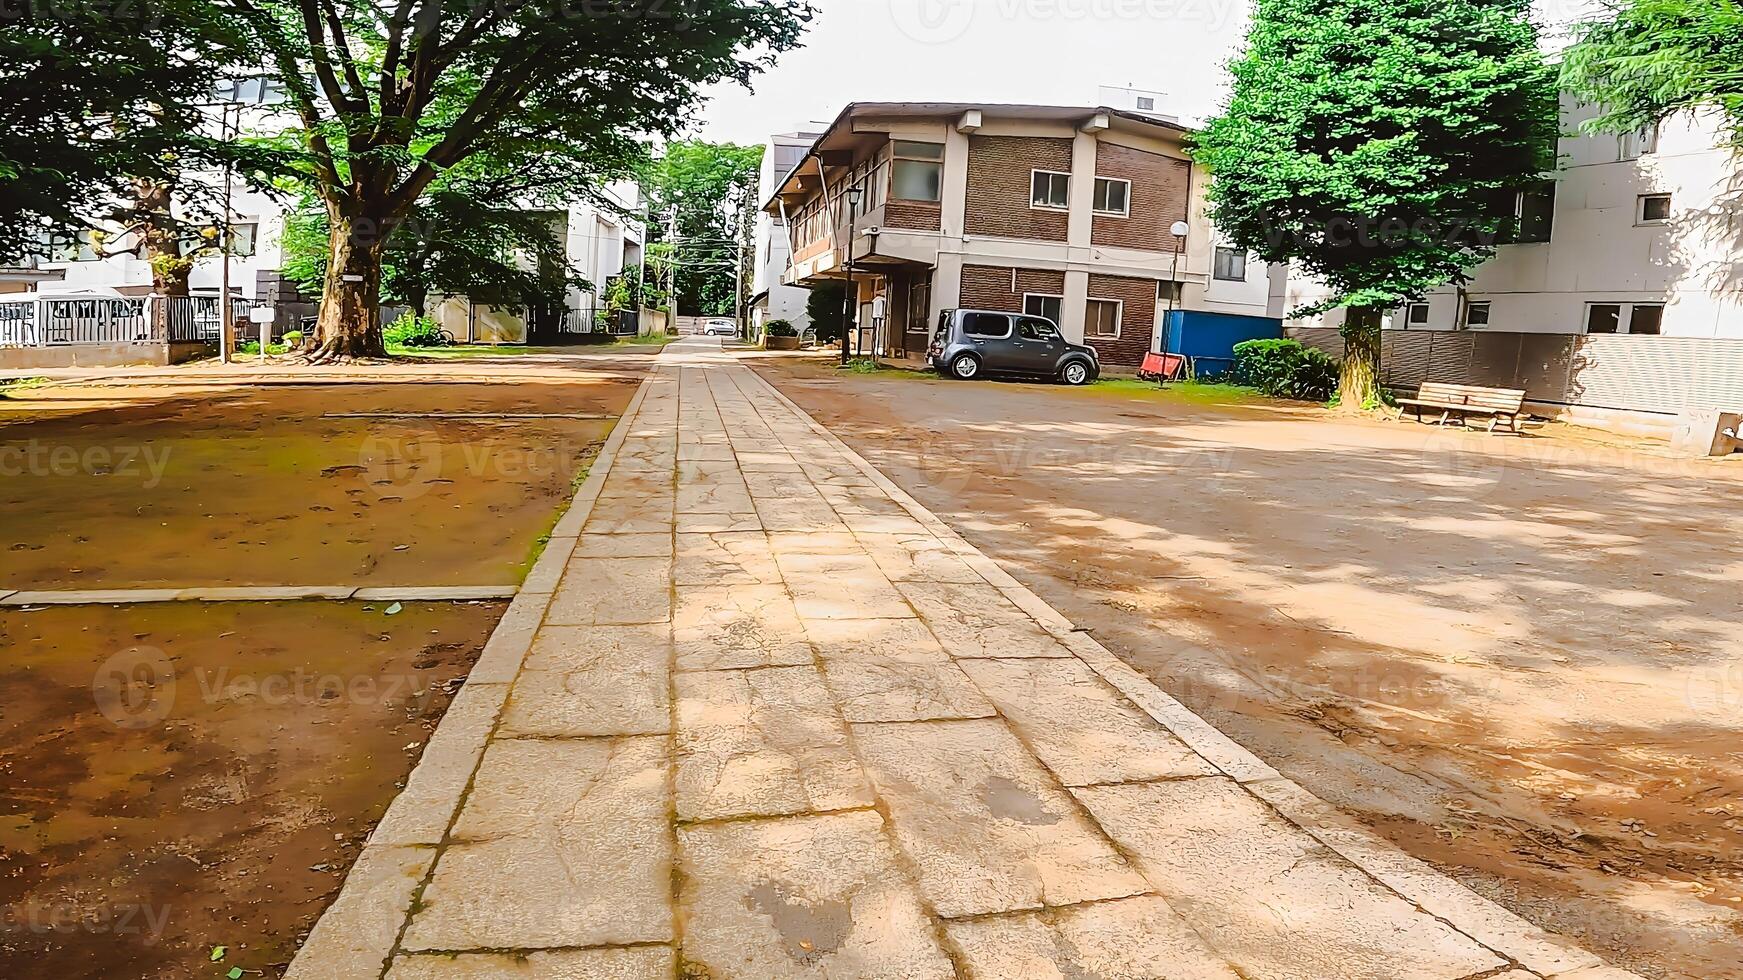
(988, 287)
(999, 171)
(1158, 198)
(1137, 319)
(912, 215)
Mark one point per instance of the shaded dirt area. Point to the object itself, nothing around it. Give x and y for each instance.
(201, 478)
(1519, 658)
(177, 777)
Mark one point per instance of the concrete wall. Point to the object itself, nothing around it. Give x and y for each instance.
(94, 355)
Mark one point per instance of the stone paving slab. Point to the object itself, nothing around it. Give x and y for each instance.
(1269, 897)
(759, 714)
(760, 743)
(804, 897)
(989, 828)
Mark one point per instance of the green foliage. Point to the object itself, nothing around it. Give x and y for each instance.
(780, 328)
(708, 190)
(411, 330)
(1653, 58)
(825, 309)
(253, 347)
(1285, 369)
(1377, 144)
(860, 365)
(294, 338)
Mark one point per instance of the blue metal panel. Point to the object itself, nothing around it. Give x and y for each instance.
(1210, 338)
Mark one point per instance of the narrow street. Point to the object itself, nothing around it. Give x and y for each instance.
(757, 713)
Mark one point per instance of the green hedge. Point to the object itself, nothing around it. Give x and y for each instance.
(1286, 369)
(780, 328)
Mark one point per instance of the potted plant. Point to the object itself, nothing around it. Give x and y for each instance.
(780, 335)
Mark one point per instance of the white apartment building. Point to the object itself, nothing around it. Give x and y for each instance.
(1640, 234)
(770, 298)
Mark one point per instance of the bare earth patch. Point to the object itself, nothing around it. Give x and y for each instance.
(1518, 658)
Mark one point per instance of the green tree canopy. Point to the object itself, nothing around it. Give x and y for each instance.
(1377, 145)
(1653, 58)
(390, 97)
(707, 191)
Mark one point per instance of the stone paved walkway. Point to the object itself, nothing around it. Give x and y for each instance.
(775, 720)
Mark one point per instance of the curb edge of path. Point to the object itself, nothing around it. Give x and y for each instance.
(1544, 953)
(357, 933)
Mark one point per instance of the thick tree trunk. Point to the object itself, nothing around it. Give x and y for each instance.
(1359, 378)
(349, 325)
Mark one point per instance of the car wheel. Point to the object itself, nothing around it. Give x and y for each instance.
(965, 367)
(1074, 373)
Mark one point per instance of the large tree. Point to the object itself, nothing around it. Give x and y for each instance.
(1654, 58)
(702, 200)
(1377, 145)
(393, 93)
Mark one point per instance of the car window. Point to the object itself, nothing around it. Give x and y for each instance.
(986, 325)
(1030, 328)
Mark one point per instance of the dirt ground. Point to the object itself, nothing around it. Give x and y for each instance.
(203, 478)
(1519, 658)
(177, 777)
(182, 776)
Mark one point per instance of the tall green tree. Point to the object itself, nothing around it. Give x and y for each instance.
(702, 201)
(1377, 145)
(1653, 58)
(392, 95)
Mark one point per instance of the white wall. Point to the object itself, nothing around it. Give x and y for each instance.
(773, 249)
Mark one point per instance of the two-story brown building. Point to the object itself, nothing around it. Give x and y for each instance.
(1061, 212)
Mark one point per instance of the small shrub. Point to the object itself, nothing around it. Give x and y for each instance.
(293, 338)
(780, 328)
(1286, 369)
(414, 331)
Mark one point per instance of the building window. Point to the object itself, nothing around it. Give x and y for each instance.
(1145, 103)
(1416, 315)
(1654, 209)
(1646, 318)
(919, 305)
(59, 246)
(1168, 291)
(1477, 315)
(1534, 211)
(1048, 189)
(1113, 196)
(1036, 304)
(917, 171)
(1603, 317)
(1102, 318)
(1230, 263)
(1641, 142)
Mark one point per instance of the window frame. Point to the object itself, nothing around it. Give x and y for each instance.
(1471, 307)
(1591, 307)
(1096, 196)
(898, 158)
(1546, 191)
(1119, 318)
(1215, 263)
(1410, 318)
(1640, 202)
(1634, 310)
(1056, 297)
(1146, 103)
(1037, 172)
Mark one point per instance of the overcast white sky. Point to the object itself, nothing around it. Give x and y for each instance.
(1052, 52)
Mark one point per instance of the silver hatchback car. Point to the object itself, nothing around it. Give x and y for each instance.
(972, 343)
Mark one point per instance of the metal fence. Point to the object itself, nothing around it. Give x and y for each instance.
(1641, 373)
(196, 319)
(59, 322)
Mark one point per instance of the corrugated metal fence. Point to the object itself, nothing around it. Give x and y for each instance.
(1616, 371)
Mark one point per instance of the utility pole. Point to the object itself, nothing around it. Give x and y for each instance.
(226, 321)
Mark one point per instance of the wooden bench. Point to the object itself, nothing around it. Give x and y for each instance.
(1499, 404)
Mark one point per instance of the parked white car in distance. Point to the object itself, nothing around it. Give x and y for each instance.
(719, 327)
